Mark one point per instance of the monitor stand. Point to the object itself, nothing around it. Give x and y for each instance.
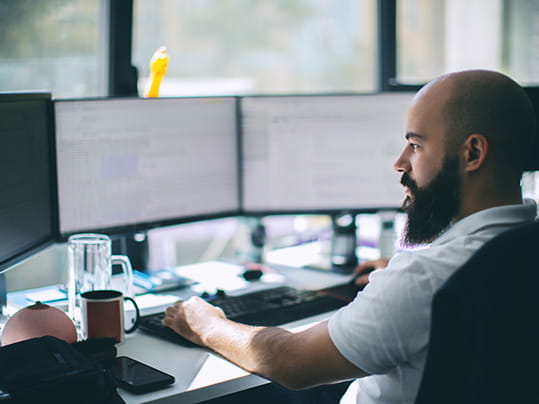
(251, 239)
(342, 257)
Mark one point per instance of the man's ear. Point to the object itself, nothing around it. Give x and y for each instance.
(475, 152)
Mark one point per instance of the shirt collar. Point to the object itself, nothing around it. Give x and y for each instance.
(499, 215)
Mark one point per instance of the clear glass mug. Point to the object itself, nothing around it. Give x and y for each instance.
(90, 263)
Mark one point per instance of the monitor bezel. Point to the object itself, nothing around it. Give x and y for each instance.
(51, 239)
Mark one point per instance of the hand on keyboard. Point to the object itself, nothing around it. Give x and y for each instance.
(183, 317)
(268, 307)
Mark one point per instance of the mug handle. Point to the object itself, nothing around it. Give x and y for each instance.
(137, 315)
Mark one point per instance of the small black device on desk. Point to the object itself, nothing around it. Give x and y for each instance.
(252, 271)
(137, 377)
(268, 307)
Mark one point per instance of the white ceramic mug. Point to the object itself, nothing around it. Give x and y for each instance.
(103, 314)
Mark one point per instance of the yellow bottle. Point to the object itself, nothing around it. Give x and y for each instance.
(158, 69)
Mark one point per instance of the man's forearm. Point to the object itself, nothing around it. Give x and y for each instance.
(295, 360)
(251, 348)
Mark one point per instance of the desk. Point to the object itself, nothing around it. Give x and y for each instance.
(201, 375)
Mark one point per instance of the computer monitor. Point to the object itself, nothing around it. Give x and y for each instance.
(322, 153)
(27, 184)
(130, 164)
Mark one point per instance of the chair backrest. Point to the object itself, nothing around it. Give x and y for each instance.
(484, 339)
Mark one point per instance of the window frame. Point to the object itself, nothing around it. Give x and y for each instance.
(123, 75)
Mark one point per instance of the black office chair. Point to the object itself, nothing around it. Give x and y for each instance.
(484, 342)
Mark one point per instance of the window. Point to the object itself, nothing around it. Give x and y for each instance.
(55, 45)
(439, 36)
(258, 47)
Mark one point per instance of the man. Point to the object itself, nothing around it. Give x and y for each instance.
(461, 169)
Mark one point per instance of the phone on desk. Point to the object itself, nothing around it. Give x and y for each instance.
(137, 377)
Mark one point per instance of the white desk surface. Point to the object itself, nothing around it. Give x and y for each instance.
(201, 375)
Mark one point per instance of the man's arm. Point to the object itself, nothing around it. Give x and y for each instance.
(294, 360)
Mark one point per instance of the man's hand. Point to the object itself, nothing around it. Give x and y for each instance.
(189, 317)
(362, 271)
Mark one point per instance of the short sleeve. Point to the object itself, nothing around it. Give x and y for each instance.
(388, 322)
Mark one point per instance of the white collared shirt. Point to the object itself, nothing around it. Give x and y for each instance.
(385, 330)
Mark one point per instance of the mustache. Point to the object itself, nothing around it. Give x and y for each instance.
(407, 181)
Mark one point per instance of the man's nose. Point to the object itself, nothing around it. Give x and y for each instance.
(402, 164)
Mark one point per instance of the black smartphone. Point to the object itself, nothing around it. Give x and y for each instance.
(137, 377)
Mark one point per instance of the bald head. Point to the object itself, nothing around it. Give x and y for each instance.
(487, 103)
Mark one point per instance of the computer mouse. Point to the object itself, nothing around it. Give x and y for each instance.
(252, 274)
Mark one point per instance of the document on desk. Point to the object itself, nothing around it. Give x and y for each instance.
(151, 303)
(47, 295)
(212, 275)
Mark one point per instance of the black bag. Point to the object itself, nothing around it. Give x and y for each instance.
(48, 369)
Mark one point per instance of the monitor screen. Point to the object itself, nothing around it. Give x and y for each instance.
(27, 206)
(132, 163)
(322, 153)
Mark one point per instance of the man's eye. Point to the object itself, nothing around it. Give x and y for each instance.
(413, 146)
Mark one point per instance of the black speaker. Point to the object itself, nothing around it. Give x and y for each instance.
(135, 246)
(344, 243)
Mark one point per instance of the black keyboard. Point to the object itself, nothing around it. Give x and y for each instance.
(267, 307)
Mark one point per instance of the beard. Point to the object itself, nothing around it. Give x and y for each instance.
(432, 208)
